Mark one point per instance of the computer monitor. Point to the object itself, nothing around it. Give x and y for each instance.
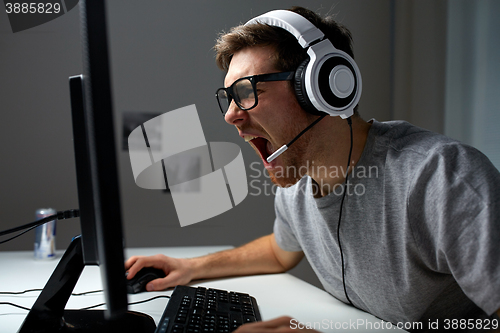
(101, 242)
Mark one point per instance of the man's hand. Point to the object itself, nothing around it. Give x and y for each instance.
(177, 271)
(278, 325)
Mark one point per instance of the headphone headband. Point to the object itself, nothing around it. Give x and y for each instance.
(304, 31)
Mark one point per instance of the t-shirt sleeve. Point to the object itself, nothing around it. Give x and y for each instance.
(283, 231)
(454, 209)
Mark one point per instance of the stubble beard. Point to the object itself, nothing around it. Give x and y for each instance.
(291, 170)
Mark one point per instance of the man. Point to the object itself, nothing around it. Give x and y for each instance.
(420, 215)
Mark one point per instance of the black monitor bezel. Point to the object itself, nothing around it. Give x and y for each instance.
(102, 151)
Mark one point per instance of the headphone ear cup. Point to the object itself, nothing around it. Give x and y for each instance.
(300, 90)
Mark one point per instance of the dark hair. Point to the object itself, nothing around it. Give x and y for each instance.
(289, 54)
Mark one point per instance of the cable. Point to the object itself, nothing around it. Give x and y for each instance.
(30, 225)
(87, 292)
(148, 300)
(18, 292)
(19, 234)
(62, 215)
(86, 308)
(133, 303)
(93, 306)
(31, 290)
(17, 306)
(349, 121)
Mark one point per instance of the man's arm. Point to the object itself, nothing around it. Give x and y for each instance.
(260, 256)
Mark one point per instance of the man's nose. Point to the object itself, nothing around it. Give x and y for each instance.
(235, 115)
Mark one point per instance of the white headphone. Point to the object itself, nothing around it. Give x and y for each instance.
(329, 80)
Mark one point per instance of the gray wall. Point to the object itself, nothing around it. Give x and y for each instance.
(473, 75)
(161, 60)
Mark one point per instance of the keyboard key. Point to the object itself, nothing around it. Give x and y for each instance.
(249, 319)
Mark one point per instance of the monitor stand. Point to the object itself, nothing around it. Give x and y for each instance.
(48, 313)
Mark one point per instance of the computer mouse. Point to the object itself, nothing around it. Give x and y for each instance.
(138, 283)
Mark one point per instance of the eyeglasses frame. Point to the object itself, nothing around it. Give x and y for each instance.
(254, 79)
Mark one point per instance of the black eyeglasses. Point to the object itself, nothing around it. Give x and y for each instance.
(244, 90)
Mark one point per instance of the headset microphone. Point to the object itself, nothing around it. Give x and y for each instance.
(285, 147)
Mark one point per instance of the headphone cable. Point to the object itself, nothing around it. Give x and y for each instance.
(349, 121)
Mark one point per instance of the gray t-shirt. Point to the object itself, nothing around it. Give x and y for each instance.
(420, 229)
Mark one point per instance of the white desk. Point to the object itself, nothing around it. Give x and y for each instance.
(276, 294)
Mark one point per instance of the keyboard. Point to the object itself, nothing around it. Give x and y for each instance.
(201, 310)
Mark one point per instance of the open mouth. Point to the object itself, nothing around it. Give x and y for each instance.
(264, 147)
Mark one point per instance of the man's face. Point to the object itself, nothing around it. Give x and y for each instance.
(276, 120)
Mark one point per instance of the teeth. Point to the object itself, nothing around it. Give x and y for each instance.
(249, 138)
